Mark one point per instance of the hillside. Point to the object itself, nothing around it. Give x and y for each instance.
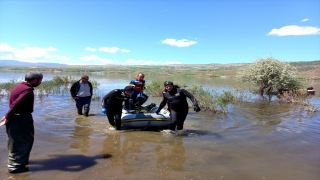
(27, 64)
(309, 69)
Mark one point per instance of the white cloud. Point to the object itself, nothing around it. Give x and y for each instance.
(109, 49)
(295, 30)
(125, 50)
(6, 48)
(179, 43)
(90, 49)
(94, 59)
(62, 58)
(304, 20)
(29, 54)
(7, 57)
(147, 62)
(89, 58)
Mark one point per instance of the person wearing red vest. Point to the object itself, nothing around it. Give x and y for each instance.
(138, 86)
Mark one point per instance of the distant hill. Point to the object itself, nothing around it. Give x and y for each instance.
(20, 63)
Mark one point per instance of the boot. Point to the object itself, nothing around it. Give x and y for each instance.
(118, 124)
(86, 112)
(80, 111)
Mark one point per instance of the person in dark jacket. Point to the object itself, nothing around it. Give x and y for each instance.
(81, 92)
(178, 105)
(112, 105)
(19, 123)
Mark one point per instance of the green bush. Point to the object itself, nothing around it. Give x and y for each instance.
(155, 88)
(270, 74)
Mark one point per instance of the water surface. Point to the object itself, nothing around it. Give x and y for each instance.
(254, 140)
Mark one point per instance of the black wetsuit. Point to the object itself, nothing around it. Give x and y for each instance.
(113, 103)
(177, 99)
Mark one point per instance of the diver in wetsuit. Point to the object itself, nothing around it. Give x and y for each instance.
(112, 105)
(178, 105)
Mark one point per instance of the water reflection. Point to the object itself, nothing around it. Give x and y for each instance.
(171, 155)
(164, 154)
(117, 146)
(264, 114)
(81, 134)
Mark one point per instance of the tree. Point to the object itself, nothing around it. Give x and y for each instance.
(270, 74)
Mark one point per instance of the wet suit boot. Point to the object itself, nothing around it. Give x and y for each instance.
(80, 111)
(118, 124)
(86, 112)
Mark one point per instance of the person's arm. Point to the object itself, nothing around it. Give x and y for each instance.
(143, 85)
(134, 81)
(162, 103)
(3, 121)
(91, 88)
(192, 98)
(126, 104)
(73, 90)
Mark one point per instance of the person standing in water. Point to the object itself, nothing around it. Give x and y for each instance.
(178, 105)
(81, 92)
(19, 122)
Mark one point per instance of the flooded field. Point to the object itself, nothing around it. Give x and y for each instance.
(254, 140)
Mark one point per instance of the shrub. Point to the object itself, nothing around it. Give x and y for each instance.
(270, 74)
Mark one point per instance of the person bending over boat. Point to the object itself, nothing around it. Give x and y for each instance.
(178, 105)
(112, 105)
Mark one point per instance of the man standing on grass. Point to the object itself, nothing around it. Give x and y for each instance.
(19, 122)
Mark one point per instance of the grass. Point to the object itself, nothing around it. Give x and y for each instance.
(58, 85)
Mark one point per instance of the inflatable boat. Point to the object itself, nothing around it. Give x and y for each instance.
(145, 118)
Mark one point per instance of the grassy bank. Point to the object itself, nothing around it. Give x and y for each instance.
(306, 70)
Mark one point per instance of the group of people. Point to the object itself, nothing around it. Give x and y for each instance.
(173, 96)
(19, 121)
(81, 91)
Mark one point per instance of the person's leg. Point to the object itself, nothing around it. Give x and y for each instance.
(110, 115)
(132, 99)
(20, 131)
(79, 105)
(180, 119)
(118, 119)
(174, 119)
(87, 102)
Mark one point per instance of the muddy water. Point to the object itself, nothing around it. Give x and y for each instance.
(256, 140)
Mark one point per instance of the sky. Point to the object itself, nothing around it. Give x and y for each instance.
(159, 32)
